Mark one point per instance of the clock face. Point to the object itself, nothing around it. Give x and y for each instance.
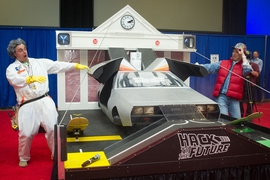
(63, 39)
(127, 22)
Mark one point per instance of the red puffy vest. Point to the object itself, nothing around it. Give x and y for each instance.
(236, 85)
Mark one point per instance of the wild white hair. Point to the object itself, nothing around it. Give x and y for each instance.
(12, 46)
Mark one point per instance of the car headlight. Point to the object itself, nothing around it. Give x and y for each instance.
(201, 108)
(148, 110)
(211, 108)
(143, 110)
(137, 111)
(210, 111)
(207, 108)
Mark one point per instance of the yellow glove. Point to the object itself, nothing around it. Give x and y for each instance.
(81, 67)
(32, 79)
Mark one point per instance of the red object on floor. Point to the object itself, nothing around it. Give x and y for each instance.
(265, 119)
(40, 165)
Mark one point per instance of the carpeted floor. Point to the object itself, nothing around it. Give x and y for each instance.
(265, 119)
(40, 165)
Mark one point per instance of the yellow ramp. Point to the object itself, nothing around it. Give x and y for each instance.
(75, 160)
(94, 138)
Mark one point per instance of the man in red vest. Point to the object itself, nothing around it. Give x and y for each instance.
(229, 85)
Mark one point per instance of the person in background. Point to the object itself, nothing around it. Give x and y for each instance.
(249, 88)
(258, 61)
(229, 85)
(29, 78)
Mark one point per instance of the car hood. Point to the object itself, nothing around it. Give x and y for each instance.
(160, 96)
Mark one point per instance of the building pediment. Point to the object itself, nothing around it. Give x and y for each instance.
(116, 24)
(125, 29)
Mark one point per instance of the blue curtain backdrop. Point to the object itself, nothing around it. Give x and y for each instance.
(266, 73)
(41, 44)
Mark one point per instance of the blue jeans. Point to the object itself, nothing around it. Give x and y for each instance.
(228, 106)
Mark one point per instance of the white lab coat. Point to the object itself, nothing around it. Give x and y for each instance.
(41, 112)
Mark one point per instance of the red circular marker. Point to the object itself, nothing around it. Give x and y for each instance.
(157, 42)
(95, 41)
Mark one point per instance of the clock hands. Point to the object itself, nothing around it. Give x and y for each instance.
(130, 21)
(127, 22)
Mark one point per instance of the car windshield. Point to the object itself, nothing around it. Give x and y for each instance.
(148, 79)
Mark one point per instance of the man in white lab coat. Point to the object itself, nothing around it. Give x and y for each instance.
(29, 78)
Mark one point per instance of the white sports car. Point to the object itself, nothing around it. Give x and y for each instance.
(128, 96)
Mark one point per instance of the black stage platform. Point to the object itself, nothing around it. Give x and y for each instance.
(171, 148)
